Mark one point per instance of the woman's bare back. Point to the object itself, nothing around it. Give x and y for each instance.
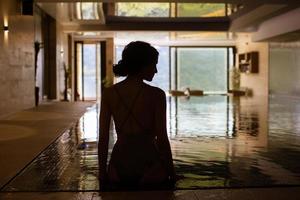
(141, 100)
(135, 159)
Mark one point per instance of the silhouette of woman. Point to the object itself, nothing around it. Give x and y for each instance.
(141, 157)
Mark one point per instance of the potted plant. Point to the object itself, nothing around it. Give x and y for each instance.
(67, 71)
(235, 76)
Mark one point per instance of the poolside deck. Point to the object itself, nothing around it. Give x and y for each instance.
(25, 134)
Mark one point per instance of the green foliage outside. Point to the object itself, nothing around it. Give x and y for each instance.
(88, 11)
(143, 9)
(163, 9)
(200, 10)
(203, 69)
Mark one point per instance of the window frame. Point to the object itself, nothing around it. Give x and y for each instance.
(175, 47)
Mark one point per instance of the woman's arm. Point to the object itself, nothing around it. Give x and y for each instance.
(162, 136)
(105, 117)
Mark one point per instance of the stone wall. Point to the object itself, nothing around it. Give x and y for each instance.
(16, 64)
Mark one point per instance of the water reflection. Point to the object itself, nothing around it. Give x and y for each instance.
(212, 116)
(229, 144)
(217, 141)
(88, 125)
(189, 118)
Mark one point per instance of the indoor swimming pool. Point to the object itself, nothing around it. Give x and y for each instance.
(217, 141)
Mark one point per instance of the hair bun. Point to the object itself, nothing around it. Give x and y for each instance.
(135, 56)
(120, 69)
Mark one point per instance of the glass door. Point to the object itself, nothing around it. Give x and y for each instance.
(88, 73)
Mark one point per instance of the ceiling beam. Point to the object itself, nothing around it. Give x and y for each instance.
(154, 24)
(252, 5)
(289, 23)
(245, 10)
(249, 18)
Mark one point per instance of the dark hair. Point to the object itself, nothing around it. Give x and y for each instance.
(135, 56)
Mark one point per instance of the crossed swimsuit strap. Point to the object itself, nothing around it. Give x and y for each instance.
(129, 109)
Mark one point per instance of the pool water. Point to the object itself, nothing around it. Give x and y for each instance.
(217, 141)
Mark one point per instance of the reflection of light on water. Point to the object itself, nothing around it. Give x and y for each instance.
(89, 125)
(65, 136)
(244, 159)
(199, 116)
(216, 141)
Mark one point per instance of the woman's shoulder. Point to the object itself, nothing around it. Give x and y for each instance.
(156, 90)
(113, 87)
(151, 90)
(107, 91)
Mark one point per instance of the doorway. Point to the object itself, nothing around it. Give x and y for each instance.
(89, 67)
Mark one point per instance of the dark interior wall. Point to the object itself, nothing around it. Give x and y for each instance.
(49, 41)
(285, 71)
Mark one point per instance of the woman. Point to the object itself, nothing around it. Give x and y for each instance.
(141, 157)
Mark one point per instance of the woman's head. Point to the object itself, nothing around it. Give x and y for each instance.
(138, 58)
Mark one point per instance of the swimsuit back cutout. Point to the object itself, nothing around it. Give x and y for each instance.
(135, 155)
(129, 111)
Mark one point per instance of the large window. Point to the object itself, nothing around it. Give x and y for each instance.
(197, 68)
(201, 68)
(88, 11)
(171, 9)
(142, 9)
(201, 10)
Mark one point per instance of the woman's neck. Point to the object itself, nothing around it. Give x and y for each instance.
(134, 79)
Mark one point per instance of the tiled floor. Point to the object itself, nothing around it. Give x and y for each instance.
(68, 164)
(26, 134)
